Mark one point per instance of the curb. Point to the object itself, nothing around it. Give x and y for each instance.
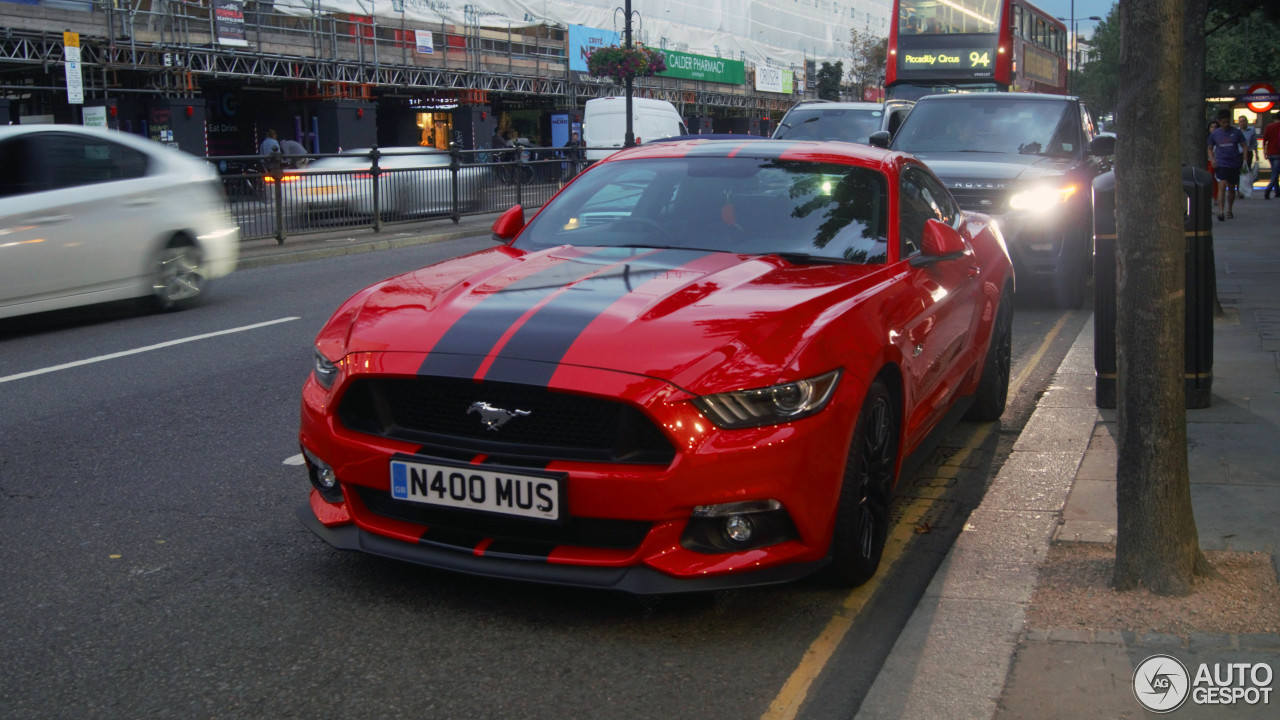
(973, 614)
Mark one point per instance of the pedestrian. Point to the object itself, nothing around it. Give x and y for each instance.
(572, 153)
(1271, 147)
(1249, 171)
(269, 144)
(295, 152)
(1226, 150)
(1213, 125)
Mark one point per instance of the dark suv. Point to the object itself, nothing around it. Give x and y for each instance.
(1027, 159)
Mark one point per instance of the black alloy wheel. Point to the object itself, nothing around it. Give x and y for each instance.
(862, 515)
(993, 389)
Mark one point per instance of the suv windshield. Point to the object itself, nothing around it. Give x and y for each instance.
(827, 123)
(738, 205)
(990, 124)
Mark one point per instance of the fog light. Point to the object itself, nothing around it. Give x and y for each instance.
(736, 526)
(739, 529)
(323, 478)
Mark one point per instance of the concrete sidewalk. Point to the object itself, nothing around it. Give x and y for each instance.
(967, 651)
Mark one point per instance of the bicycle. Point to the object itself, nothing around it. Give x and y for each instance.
(510, 172)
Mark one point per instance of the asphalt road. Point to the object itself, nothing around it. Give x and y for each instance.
(153, 566)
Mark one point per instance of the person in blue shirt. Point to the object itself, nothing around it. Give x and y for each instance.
(270, 144)
(1226, 152)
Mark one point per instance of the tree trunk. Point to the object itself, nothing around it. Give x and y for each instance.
(1157, 545)
(1194, 123)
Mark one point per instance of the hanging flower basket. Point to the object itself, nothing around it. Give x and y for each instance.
(620, 63)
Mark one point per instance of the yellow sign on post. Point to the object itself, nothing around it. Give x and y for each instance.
(71, 60)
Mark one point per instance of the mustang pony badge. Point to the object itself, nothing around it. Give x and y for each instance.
(494, 417)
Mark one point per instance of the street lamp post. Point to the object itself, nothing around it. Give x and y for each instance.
(1073, 60)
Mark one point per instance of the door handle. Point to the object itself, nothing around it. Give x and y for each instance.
(141, 202)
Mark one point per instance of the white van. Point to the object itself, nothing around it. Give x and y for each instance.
(604, 124)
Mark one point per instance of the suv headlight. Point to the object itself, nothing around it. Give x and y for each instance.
(1041, 199)
(326, 370)
(769, 405)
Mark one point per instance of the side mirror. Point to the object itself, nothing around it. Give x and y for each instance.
(940, 242)
(880, 139)
(509, 224)
(1103, 145)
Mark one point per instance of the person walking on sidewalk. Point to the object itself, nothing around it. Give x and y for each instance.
(1226, 151)
(1250, 170)
(1271, 147)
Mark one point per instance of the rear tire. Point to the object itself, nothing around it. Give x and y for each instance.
(178, 280)
(862, 514)
(993, 389)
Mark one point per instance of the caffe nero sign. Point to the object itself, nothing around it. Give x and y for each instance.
(703, 67)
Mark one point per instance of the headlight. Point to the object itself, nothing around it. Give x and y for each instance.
(326, 370)
(1041, 199)
(770, 405)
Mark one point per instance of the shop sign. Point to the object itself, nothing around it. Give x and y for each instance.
(584, 40)
(704, 67)
(772, 79)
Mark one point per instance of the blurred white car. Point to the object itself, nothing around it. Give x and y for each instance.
(90, 216)
(411, 181)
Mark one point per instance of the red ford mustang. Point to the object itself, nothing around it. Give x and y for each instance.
(703, 364)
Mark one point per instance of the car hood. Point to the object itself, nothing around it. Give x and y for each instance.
(704, 321)
(996, 167)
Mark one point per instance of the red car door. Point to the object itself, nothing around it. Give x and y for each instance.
(934, 339)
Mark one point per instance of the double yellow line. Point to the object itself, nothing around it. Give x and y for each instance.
(793, 694)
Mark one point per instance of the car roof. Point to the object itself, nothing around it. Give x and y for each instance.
(997, 96)
(837, 105)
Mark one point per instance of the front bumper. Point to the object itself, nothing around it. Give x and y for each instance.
(799, 464)
(635, 579)
(1041, 244)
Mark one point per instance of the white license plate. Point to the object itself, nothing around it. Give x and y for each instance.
(477, 488)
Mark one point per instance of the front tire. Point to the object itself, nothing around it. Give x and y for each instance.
(993, 388)
(862, 514)
(178, 280)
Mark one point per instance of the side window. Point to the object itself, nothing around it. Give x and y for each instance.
(939, 200)
(1087, 128)
(76, 160)
(922, 199)
(22, 173)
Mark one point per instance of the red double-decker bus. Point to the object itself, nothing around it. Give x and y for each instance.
(974, 45)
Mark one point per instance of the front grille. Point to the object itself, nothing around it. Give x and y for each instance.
(465, 529)
(983, 201)
(437, 412)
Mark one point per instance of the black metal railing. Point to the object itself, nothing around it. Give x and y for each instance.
(279, 196)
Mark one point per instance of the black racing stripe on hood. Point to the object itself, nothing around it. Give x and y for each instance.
(547, 336)
(462, 348)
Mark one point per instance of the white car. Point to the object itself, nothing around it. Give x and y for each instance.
(90, 216)
(412, 181)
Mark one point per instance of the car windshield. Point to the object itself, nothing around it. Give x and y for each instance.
(991, 125)
(824, 211)
(824, 123)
